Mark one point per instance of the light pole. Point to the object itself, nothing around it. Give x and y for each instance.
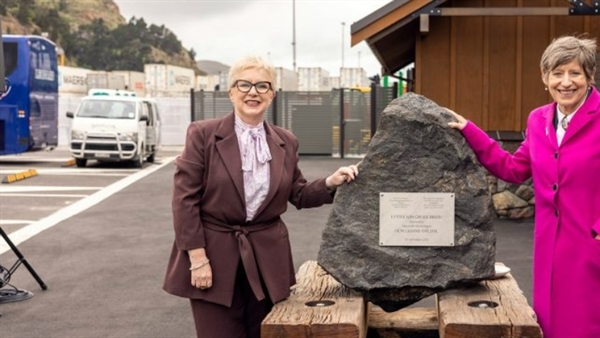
(343, 46)
(294, 32)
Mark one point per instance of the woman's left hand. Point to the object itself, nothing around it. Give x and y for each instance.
(343, 174)
(460, 122)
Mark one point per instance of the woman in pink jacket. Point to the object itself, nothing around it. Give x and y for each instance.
(561, 151)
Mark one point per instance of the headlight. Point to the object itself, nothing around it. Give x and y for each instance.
(129, 137)
(77, 135)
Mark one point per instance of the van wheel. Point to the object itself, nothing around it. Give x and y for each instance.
(140, 160)
(80, 162)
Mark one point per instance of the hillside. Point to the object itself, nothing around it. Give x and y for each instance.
(92, 32)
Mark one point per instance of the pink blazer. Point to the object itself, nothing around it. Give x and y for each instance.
(566, 180)
(208, 187)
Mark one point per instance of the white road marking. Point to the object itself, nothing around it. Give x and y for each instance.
(43, 195)
(65, 172)
(17, 159)
(14, 221)
(30, 188)
(21, 235)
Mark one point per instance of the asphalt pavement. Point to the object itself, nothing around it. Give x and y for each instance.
(104, 266)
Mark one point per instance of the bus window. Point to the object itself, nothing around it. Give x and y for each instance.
(10, 57)
(35, 109)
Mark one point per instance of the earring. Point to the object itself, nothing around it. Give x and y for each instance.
(546, 88)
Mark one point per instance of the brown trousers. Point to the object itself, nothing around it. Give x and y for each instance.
(241, 320)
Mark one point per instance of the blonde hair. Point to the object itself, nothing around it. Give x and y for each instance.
(565, 49)
(252, 62)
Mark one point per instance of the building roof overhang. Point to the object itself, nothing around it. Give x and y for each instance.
(392, 30)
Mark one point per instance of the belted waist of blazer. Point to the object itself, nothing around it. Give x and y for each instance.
(246, 250)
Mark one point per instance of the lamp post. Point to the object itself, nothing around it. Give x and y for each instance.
(343, 46)
(294, 32)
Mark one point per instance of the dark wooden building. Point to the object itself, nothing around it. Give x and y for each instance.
(478, 57)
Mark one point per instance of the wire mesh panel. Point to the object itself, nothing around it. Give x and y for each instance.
(211, 105)
(357, 122)
(383, 97)
(314, 117)
(308, 116)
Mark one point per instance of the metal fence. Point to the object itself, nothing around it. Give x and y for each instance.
(338, 123)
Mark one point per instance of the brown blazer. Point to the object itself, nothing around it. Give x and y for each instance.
(208, 187)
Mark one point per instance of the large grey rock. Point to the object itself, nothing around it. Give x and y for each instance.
(413, 151)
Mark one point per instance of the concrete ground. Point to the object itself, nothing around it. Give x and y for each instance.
(104, 267)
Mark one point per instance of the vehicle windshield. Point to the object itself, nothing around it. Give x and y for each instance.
(109, 109)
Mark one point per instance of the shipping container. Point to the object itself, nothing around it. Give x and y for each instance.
(67, 102)
(72, 79)
(134, 81)
(286, 79)
(334, 81)
(207, 83)
(105, 80)
(168, 80)
(353, 77)
(224, 81)
(313, 79)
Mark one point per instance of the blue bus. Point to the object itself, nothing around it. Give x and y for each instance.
(29, 104)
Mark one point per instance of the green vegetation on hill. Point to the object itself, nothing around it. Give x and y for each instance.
(93, 34)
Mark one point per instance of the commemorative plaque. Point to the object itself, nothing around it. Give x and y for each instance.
(416, 219)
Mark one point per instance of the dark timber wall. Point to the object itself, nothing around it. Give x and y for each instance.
(487, 67)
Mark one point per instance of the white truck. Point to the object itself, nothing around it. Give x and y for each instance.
(113, 126)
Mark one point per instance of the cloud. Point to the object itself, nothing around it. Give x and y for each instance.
(225, 30)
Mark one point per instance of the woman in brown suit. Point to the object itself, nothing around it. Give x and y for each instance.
(231, 256)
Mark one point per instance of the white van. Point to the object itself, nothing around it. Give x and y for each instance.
(115, 125)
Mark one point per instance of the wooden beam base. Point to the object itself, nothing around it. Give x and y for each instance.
(319, 306)
(493, 308)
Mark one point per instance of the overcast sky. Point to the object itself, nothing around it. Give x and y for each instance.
(225, 30)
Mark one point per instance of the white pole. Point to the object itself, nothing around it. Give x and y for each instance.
(294, 32)
(343, 45)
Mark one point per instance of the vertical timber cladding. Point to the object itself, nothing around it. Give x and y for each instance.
(432, 63)
(502, 43)
(487, 67)
(469, 68)
(536, 37)
(575, 25)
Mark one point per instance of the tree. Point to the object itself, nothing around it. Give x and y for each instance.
(62, 5)
(5, 5)
(25, 11)
(192, 54)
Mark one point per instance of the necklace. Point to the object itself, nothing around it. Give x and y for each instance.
(564, 123)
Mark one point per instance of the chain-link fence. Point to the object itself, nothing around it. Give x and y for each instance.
(314, 117)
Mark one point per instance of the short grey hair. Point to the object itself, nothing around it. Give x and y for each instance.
(565, 49)
(252, 62)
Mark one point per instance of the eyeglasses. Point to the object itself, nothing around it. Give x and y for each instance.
(244, 86)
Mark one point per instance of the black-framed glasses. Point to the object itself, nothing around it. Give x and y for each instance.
(244, 86)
